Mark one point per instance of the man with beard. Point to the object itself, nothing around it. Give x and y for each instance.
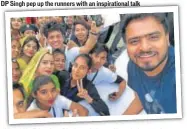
(151, 69)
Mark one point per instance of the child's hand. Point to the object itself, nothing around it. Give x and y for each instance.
(74, 113)
(114, 96)
(83, 93)
(112, 67)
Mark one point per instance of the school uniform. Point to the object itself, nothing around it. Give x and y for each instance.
(103, 75)
(98, 104)
(57, 108)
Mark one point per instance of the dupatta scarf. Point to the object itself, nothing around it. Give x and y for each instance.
(30, 71)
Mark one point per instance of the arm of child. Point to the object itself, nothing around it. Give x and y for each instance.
(92, 39)
(32, 114)
(122, 86)
(81, 111)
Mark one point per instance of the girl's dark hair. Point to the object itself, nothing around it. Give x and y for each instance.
(40, 81)
(28, 39)
(87, 58)
(31, 38)
(36, 84)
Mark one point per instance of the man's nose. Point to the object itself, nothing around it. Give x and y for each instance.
(145, 45)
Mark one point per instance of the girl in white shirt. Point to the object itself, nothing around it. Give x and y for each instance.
(46, 97)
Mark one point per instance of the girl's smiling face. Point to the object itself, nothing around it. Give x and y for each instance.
(46, 65)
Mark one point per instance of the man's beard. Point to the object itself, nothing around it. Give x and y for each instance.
(147, 65)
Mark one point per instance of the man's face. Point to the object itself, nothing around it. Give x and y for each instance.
(55, 39)
(99, 59)
(147, 43)
(18, 101)
(16, 73)
(15, 48)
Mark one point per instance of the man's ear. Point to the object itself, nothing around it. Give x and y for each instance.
(167, 38)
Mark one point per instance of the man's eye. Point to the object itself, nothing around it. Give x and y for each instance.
(133, 42)
(154, 37)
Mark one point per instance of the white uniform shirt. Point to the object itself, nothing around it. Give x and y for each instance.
(121, 65)
(104, 75)
(56, 110)
(71, 54)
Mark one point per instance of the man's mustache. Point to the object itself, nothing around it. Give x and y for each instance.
(143, 53)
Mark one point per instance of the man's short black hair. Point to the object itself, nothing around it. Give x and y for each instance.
(53, 26)
(161, 17)
(18, 86)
